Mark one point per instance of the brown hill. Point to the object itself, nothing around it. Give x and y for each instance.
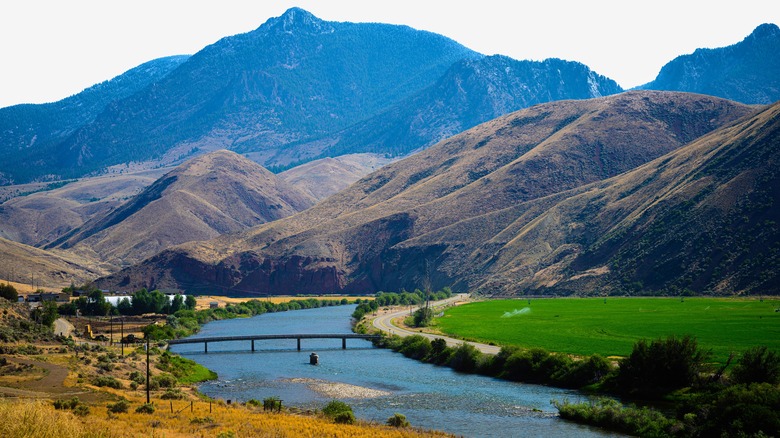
(438, 215)
(213, 194)
(39, 218)
(45, 269)
(324, 177)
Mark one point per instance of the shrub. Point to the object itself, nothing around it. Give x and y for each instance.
(398, 420)
(108, 381)
(344, 418)
(119, 407)
(66, 404)
(146, 408)
(757, 365)
(202, 420)
(662, 366)
(137, 377)
(165, 381)
(416, 347)
(335, 407)
(172, 394)
(253, 403)
(465, 358)
(81, 410)
(272, 404)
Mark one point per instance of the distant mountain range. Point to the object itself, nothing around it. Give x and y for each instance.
(300, 88)
(477, 211)
(747, 72)
(587, 189)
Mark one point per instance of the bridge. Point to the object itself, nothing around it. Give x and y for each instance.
(253, 338)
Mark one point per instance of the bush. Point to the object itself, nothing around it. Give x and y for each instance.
(165, 381)
(344, 418)
(108, 381)
(253, 403)
(398, 420)
(757, 365)
(137, 377)
(172, 394)
(146, 408)
(465, 358)
(81, 410)
(335, 407)
(415, 347)
(119, 407)
(272, 404)
(66, 404)
(660, 367)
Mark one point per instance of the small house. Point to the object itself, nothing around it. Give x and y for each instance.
(213, 304)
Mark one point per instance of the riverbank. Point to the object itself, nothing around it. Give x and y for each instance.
(706, 399)
(54, 387)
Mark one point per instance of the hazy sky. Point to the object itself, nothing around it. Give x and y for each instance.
(51, 49)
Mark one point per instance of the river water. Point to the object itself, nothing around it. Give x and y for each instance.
(376, 382)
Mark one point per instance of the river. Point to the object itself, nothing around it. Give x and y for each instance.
(376, 382)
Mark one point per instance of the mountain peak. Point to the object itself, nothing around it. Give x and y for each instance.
(297, 20)
(766, 30)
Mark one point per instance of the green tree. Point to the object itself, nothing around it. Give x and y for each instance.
(190, 302)
(8, 291)
(757, 365)
(661, 366)
(177, 303)
(49, 313)
(423, 316)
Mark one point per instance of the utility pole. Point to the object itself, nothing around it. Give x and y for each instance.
(122, 334)
(147, 370)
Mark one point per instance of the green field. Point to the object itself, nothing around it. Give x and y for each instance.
(585, 326)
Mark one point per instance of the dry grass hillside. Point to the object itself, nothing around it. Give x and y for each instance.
(441, 215)
(324, 177)
(217, 193)
(42, 217)
(45, 269)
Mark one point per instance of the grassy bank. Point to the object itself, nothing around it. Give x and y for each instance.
(584, 326)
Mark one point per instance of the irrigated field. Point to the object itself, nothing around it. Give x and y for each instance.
(610, 328)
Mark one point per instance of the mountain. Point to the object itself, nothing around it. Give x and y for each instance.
(213, 194)
(440, 215)
(39, 218)
(326, 176)
(293, 78)
(29, 127)
(747, 72)
(25, 264)
(471, 92)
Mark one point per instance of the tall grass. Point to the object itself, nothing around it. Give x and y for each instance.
(38, 419)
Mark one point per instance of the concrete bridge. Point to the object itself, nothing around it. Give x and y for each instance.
(253, 338)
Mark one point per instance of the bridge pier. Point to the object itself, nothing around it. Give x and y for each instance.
(253, 345)
(205, 347)
(299, 344)
(343, 343)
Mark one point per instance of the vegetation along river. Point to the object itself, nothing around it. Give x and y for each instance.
(376, 382)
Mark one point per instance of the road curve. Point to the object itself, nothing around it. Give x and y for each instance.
(384, 323)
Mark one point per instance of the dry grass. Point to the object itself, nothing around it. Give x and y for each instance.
(40, 419)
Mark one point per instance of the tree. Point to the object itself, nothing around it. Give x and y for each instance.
(757, 365)
(177, 303)
(124, 307)
(423, 316)
(190, 302)
(663, 365)
(49, 313)
(8, 291)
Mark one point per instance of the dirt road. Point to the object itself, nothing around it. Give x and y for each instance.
(384, 322)
(63, 327)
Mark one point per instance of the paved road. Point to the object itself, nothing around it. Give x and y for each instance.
(63, 327)
(384, 322)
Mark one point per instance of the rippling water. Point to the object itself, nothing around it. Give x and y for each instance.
(430, 396)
